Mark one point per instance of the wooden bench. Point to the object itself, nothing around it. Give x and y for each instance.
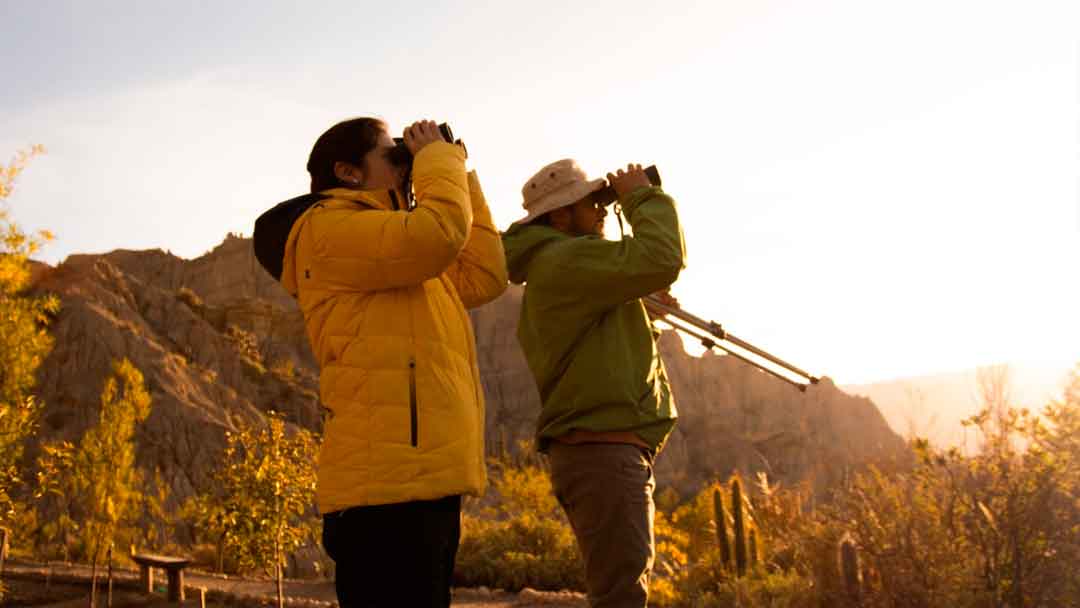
(174, 569)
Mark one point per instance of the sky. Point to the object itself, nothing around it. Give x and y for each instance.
(868, 189)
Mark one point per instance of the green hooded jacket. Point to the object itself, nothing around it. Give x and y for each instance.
(584, 329)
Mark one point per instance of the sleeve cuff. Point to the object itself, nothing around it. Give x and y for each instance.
(632, 201)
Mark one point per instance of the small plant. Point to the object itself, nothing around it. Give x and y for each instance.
(178, 358)
(190, 298)
(284, 368)
(247, 346)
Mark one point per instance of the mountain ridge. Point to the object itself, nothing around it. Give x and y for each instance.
(933, 405)
(219, 341)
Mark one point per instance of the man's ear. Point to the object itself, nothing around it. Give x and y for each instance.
(348, 173)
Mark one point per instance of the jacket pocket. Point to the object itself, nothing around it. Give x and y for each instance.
(413, 414)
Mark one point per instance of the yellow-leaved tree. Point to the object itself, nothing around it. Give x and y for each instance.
(24, 340)
(260, 507)
(96, 484)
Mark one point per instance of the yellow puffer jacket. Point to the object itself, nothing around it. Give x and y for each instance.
(383, 294)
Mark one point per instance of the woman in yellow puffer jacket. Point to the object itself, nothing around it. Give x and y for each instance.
(384, 290)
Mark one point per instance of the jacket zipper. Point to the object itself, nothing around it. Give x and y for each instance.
(412, 402)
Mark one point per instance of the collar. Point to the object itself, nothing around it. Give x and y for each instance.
(377, 199)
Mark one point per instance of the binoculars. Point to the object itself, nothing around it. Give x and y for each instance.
(400, 154)
(606, 195)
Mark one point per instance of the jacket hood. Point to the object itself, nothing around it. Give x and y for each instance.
(522, 243)
(271, 237)
(272, 229)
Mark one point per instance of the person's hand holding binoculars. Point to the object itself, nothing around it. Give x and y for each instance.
(626, 182)
(420, 134)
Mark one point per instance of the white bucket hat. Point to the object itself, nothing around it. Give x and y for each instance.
(557, 185)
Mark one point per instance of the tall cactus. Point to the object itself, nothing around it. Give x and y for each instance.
(753, 541)
(849, 567)
(721, 528)
(739, 527)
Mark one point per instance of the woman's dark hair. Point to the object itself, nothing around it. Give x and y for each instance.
(348, 141)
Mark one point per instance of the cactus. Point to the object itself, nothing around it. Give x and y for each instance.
(849, 567)
(739, 528)
(752, 542)
(721, 528)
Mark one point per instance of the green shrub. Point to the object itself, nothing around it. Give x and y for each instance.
(525, 551)
(518, 535)
(772, 590)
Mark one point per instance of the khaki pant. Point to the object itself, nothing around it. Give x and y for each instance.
(606, 490)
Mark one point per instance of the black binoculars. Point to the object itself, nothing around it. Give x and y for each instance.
(400, 154)
(606, 195)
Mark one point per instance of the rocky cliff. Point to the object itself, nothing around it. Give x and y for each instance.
(219, 341)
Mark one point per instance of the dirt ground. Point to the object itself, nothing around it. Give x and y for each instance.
(67, 586)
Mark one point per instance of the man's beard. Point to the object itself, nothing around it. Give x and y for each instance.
(597, 229)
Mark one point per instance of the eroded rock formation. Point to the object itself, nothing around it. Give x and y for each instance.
(218, 341)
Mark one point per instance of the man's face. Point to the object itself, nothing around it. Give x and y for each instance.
(587, 217)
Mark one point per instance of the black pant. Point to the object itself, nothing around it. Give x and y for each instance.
(394, 555)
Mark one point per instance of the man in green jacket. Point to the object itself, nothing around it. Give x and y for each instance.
(588, 339)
